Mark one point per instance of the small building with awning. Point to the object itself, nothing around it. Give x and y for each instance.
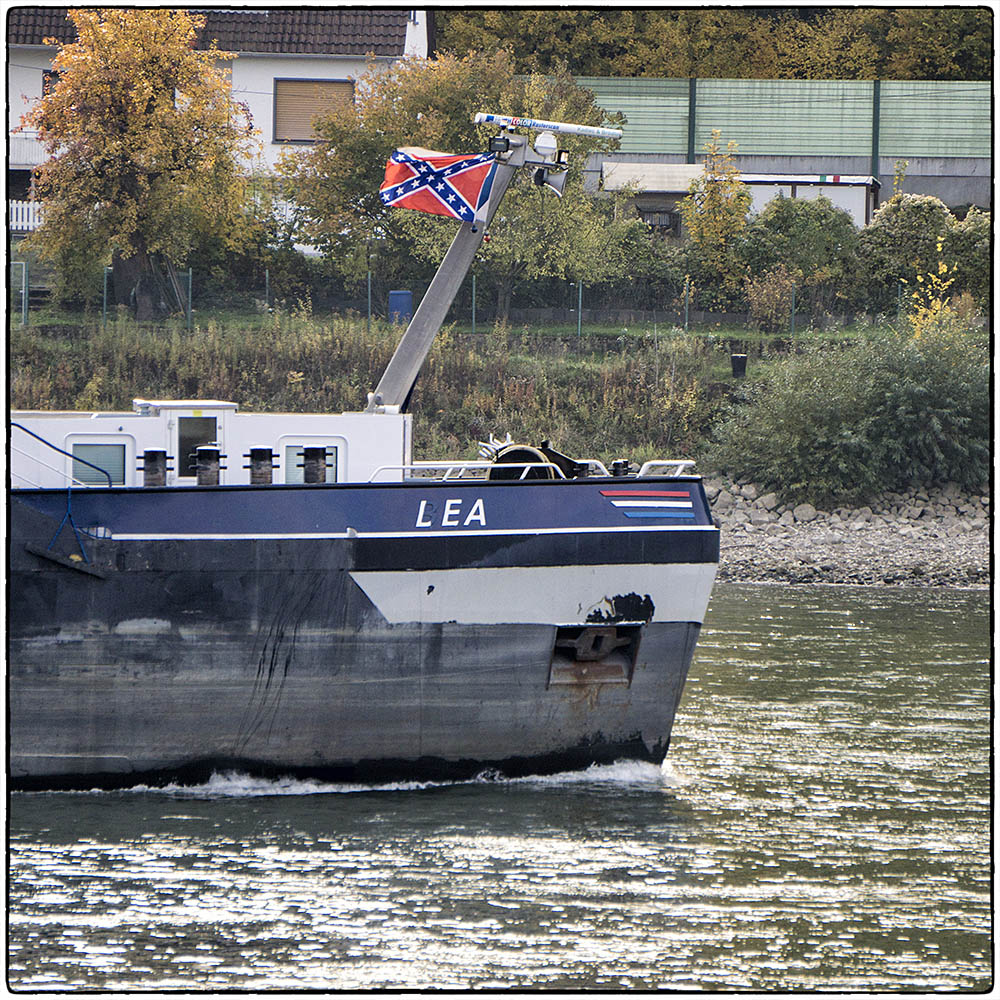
(660, 187)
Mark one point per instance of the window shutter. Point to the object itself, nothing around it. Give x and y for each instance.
(297, 102)
(110, 457)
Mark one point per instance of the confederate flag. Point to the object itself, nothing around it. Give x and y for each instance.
(456, 185)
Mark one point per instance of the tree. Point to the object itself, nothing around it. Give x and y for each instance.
(535, 235)
(334, 183)
(943, 43)
(814, 239)
(431, 103)
(145, 143)
(618, 42)
(901, 242)
(715, 214)
(862, 43)
(538, 38)
(844, 43)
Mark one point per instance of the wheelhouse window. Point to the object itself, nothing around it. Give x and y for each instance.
(192, 432)
(298, 102)
(110, 457)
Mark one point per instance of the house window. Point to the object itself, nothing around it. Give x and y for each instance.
(665, 223)
(50, 77)
(192, 432)
(295, 463)
(110, 457)
(297, 102)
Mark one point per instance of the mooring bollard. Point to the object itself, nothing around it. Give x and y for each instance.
(207, 464)
(314, 465)
(154, 468)
(261, 466)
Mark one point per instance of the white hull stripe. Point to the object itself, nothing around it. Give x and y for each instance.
(682, 504)
(250, 535)
(548, 595)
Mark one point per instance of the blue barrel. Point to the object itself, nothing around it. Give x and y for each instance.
(400, 306)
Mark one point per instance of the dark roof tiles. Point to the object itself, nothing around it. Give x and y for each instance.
(30, 25)
(303, 30)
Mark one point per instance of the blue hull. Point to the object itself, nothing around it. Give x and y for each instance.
(351, 632)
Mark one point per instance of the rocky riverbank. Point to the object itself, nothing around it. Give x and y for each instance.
(926, 538)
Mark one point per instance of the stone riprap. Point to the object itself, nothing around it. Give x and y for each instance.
(923, 537)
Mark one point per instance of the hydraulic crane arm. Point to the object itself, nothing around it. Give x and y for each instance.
(513, 151)
(404, 366)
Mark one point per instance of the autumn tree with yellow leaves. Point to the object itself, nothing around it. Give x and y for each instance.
(145, 147)
(431, 103)
(715, 215)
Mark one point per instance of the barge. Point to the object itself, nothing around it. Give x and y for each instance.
(194, 588)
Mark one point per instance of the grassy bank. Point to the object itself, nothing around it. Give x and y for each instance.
(638, 395)
(841, 413)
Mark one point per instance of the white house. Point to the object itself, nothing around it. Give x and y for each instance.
(292, 62)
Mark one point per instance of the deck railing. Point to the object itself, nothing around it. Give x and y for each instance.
(70, 480)
(667, 467)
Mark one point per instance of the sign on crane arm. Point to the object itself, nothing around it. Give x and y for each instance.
(482, 118)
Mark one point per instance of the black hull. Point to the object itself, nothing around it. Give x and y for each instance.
(157, 661)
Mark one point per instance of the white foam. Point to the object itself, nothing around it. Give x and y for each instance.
(236, 784)
(623, 773)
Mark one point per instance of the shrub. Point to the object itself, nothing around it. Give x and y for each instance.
(930, 408)
(929, 305)
(770, 298)
(968, 244)
(840, 424)
(76, 273)
(811, 237)
(655, 280)
(901, 242)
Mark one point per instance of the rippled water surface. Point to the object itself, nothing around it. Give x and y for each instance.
(823, 822)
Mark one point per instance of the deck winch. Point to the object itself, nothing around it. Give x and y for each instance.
(522, 461)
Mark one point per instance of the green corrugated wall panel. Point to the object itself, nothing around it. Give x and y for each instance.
(935, 119)
(802, 117)
(657, 111)
(787, 117)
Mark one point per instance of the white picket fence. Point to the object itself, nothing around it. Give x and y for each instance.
(24, 216)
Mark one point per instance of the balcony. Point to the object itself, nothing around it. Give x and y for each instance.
(24, 151)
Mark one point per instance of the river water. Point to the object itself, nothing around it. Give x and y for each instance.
(823, 822)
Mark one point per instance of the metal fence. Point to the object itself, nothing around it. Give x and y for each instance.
(570, 306)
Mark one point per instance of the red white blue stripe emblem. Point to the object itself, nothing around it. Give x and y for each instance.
(672, 504)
